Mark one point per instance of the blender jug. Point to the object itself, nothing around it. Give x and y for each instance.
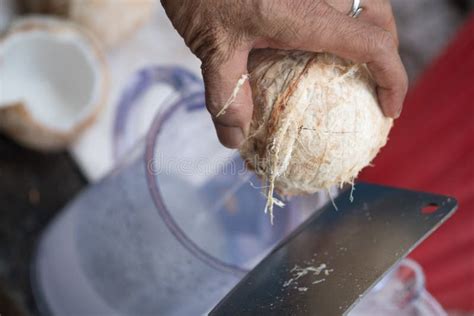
(172, 228)
(401, 292)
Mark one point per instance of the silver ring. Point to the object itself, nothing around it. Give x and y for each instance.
(356, 9)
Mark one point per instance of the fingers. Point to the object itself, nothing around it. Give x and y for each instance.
(220, 83)
(380, 13)
(392, 82)
(355, 40)
(366, 43)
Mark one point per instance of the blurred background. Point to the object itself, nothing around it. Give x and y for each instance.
(35, 185)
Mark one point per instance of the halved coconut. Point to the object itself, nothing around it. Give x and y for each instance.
(53, 82)
(110, 20)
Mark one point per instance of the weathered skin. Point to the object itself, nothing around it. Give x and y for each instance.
(221, 33)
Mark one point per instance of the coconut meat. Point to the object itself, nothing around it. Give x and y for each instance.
(55, 76)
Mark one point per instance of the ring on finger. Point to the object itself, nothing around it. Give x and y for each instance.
(356, 9)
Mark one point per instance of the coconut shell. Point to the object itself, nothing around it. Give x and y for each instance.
(112, 21)
(57, 7)
(17, 121)
(316, 121)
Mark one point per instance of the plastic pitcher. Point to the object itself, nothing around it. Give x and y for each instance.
(401, 292)
(172, 229)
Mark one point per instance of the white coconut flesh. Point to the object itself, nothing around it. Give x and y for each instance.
(55, 75)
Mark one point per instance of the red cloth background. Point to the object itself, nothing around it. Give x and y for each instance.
(431, 148)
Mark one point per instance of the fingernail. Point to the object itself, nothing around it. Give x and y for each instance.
(231, 137)
(398, 112)
(393, 113)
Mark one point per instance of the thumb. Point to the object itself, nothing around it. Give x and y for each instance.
(229, 97)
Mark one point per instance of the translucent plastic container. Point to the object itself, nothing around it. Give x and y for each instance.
(401, 292)
(174, 227)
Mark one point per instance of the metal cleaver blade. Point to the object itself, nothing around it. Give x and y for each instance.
(327, 265)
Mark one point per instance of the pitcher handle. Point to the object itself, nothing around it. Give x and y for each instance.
(182, 81)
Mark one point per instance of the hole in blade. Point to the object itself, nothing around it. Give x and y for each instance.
(429, 208)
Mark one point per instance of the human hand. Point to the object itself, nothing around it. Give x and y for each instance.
(221, 33)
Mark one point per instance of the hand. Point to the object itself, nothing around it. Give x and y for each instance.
(221, 33)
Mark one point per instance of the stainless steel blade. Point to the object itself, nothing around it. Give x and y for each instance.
(336, 256)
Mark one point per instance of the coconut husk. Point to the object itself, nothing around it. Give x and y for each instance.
(316, 121)
(112, 21)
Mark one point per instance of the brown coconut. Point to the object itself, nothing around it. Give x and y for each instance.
(111, 21)
(54, 82)
(316, 122)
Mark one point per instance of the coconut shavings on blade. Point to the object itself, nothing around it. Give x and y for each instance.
(310, 273)
(316, 121)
